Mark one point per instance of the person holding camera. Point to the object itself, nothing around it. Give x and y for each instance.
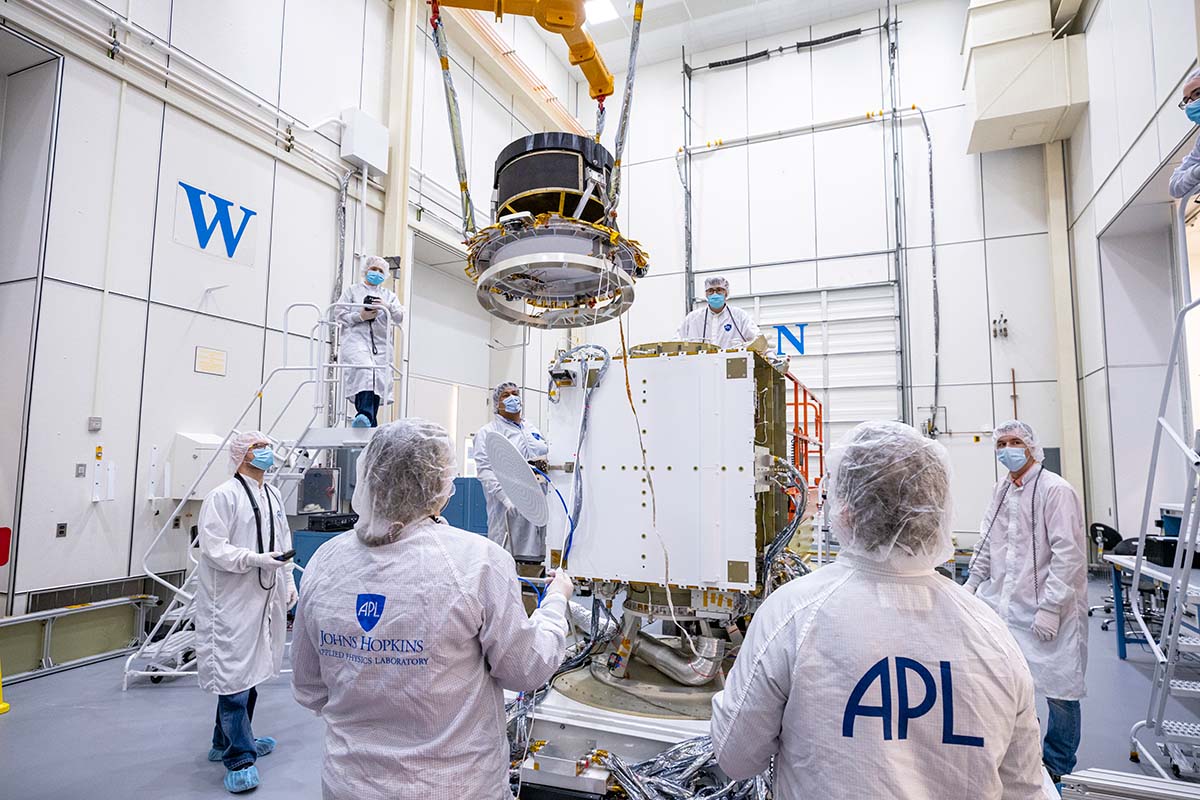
(366, 314)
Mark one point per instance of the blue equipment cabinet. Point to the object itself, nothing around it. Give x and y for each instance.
(467, 509)
(306, 543)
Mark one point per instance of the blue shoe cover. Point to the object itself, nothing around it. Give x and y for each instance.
(263, 746)
(361, 421)
(241, 780)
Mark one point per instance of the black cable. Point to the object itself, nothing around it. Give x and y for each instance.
(797, 47)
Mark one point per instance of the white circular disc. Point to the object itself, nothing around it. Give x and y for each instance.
(517, 479)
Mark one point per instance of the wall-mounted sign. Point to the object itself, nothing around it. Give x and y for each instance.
(200, 215)
(209, 361)
(793, 335)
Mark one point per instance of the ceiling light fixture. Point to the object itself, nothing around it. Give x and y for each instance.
(598, 11)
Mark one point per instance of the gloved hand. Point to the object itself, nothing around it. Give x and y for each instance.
(560, 584)
(971, 587)
(508, 505)
(1045, 624)
(366, 315)
(293, 595)
(265, 560)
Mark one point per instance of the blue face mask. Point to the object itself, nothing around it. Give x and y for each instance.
(1192, 110)
(374, 278)
(1013, 458)
(264, 458)
(512, 404)
(716, 301)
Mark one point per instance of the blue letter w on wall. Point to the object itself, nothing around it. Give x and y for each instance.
(220, 219)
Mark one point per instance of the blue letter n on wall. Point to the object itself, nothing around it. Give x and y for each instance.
(221, 218)
(783, 332)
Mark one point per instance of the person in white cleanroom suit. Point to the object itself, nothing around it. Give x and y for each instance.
(506, 526)
(367, 341)
(242, 599)
(1186, 176)
(408, 631)
(1030, 565)
(718, 323)
(876, 676)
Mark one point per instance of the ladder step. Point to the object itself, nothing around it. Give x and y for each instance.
(336, 437)
(171, 645)
(1178, 731)
(1189, 644)
(1185, 688)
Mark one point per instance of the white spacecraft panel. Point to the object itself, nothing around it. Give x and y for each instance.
(697, 415)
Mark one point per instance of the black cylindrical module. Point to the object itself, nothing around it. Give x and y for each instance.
(547, 172)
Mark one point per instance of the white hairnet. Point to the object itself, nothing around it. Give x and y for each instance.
(1195, 74)
(1014, 427)
(375, 262)
(499, 390)
(405, 473)
(716, 282)
(241, 443)
(889, 495)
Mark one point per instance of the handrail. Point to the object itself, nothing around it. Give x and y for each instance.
(79, 608)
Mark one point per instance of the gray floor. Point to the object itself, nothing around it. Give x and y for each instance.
(77, 735)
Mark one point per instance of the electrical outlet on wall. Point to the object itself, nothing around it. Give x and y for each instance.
(81, 470)
(60, 530)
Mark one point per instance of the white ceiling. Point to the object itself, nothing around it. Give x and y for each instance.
(17, 54)
(700, 25)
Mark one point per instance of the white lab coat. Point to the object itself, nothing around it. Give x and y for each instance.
(729, 329)
(815, 641)
(412, 693)
(1186, 176)
(509, 529)
(1004, 571)
(240, 627)
(357, 338)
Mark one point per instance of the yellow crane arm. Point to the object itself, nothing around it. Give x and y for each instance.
(563, 17)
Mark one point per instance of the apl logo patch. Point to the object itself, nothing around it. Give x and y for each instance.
(369, 609)
(728, 327)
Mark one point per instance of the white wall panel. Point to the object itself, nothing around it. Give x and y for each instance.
(1097, 450)
(784, 278)
(852, 215)
(1102, 97)
(85, 197)
(1108, 201)
(853, 271)
(208, 281)
(1019, 287)
(848, 77)
(957, 195)
(449, 329)
(739, 283)
(313, 88)
(967, 413)
(239, 40)
(1089, 305)
(1079, 152)
(150, 14)
(1175, 133)
(96, 546)
(491, 124)
(719, 106)
(16, 326)
(930, 61)
(788, 75)
(1136, 272)
(656, 120)
(657, 310)
(1140, 163)
(529, 45)
(24, 161)
(1133, 68)
(1134, 395)
(653, 213)
(963, 307)
(376, 62)
(303, 248)
(281, 416)
(1173, 37)
(178, 399)
(782, 200)
(720, 201)
(1037, 404)
(1014, 192)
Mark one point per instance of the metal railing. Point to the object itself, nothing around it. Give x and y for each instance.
(49, 617)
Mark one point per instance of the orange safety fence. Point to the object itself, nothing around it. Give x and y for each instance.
(807, 430)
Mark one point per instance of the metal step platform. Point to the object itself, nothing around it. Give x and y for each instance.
(331, 438)
(1103, 784)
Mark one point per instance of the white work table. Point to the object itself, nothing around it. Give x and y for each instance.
(1149, 571)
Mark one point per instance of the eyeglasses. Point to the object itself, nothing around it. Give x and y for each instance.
(1191, 98)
